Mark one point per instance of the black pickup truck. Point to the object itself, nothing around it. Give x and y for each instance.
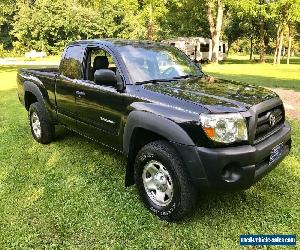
(181, 130)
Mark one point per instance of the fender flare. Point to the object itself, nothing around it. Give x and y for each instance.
(35, 90)
(38, 90)
(154, 123)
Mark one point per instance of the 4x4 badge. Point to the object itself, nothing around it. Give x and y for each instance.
(272, 120)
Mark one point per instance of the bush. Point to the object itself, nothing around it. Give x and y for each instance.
(18, 50)
(2, 50)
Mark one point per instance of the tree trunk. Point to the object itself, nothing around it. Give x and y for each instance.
(215, 27)
(251, 48)
(150, 35)
(262, 32)
(279, 46)
(289, 46)
(229, 47)
(151, 25)
(215, 47)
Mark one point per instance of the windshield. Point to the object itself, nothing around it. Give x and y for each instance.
(156, 62)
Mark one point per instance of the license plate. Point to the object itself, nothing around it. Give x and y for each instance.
(276, 153)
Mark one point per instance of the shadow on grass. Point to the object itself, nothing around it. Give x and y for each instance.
(295, 60)
(63, 134)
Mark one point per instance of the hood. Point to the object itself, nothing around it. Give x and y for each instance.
(217, 95)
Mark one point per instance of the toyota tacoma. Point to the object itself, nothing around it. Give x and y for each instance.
(181, 130)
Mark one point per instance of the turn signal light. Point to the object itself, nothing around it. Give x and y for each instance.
(210, 132)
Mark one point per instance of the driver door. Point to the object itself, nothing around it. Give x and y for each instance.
(100, 108)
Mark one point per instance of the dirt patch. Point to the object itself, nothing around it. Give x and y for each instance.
(291, 101)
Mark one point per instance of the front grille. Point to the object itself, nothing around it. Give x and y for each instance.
(264, 126)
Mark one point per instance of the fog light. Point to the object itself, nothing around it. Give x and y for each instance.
(231, 173)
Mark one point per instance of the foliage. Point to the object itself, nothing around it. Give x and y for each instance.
(50, 25)
(151, 13)
(191, 23)
(47, 25)
(71, 195)
(7, 10)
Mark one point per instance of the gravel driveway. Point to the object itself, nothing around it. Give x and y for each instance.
(291, 100)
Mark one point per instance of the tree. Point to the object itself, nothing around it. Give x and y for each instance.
(7, 11)
(288, 12)
(50, 25)
(214, 12)
(241, 26)
(151, 14)
(261, 11)
(183, 18)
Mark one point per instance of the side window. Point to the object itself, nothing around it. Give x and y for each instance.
(98, 59)
(70, 65)
(102, 53)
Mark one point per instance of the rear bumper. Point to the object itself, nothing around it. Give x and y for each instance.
(234, 167)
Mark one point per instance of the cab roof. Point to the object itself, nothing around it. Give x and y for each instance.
(109, 42)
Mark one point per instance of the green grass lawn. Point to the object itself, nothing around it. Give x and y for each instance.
(70, 194)
(238, 68)
(51, 58)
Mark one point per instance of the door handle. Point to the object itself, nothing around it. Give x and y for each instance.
(80, 93)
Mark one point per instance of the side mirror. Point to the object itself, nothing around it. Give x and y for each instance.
(105, 77)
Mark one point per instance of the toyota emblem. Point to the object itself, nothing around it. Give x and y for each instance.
(272, 120)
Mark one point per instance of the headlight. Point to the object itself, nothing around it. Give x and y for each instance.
(225, 128)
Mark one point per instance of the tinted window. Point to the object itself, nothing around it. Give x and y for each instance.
(96, 60)
(97, 53)
(71, 64)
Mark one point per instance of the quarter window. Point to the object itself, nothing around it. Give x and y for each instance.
(71, 64)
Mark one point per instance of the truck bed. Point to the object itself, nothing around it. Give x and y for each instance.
(44, 78)
(40, 71)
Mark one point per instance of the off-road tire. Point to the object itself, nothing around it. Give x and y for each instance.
(183, 198)
(46, 126)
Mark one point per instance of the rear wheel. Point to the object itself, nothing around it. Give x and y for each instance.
(42, 129)
(162, 181)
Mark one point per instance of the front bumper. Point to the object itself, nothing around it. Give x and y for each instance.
(234, 167)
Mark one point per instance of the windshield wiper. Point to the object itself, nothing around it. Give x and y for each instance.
(183, 77)
(155, 81)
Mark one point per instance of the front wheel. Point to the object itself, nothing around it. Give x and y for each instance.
(162, 181)
(42, 129)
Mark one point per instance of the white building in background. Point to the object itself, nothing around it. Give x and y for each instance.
(35, 54)
(198, 48)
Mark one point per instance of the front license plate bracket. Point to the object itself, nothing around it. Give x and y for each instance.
(276, 152)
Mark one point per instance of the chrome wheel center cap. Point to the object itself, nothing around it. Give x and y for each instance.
(160, 181)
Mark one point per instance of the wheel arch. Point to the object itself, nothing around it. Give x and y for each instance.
(142, 128)
(36, 92)
(29, 98)
(32, 93)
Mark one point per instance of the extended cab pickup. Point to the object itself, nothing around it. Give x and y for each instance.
(180, 130)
